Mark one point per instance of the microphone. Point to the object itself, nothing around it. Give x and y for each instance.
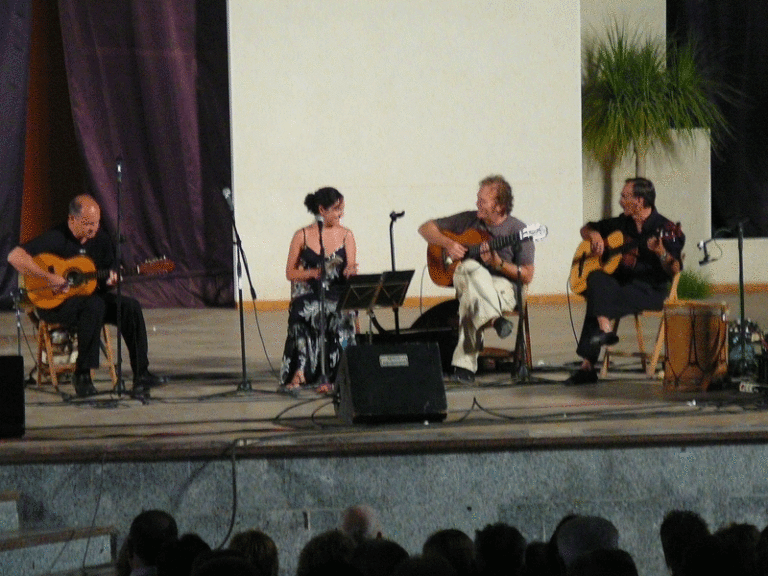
(320, 221)
(702, 245)
(395, 215)
(706, 259)
(119, 166)
(227, 193)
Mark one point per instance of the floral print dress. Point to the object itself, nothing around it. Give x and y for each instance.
(302, 345)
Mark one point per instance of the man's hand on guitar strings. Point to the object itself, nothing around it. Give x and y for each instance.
(489, 257)
(597, 243)
(456, 251)
(59, 284)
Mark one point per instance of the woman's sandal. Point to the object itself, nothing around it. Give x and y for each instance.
(294, 385)
(325, 388)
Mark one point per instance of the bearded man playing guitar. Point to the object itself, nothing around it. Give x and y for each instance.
(649, 257)
(484, 288)
(80, 235)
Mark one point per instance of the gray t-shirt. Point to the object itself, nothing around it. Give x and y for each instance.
(463, 221)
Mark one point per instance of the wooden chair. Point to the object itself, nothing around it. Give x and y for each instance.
(648, 361)
(56, 345)
(521, 355)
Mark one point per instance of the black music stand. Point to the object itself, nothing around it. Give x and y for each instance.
(369, 291)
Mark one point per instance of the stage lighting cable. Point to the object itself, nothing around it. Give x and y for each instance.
(233, 447)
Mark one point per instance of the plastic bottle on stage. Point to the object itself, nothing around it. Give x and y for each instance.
(344, 342)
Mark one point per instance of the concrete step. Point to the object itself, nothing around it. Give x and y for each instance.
(103, 570)
(33, 553)
(9, 511)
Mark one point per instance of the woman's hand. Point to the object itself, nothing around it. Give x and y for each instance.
(350, 270)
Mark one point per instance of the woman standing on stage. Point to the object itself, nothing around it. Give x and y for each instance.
(301, 357)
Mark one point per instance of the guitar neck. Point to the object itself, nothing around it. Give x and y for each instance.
(103, 273)
(494, 244)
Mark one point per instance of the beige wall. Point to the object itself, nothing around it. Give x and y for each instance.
(403, 105)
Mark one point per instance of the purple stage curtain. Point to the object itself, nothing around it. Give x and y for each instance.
(15, 35)
(138, 101)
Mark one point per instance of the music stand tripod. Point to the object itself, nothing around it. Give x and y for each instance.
(369, 291)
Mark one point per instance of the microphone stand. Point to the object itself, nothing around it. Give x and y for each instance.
(742, 319)
(743, 364)
(245, 384)
(521, 347)
(119, 293)
(323, 369)
(16, 295)
(394, 216)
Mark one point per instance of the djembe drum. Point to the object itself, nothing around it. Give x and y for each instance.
(696, 340)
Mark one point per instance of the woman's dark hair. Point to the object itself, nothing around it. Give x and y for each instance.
(325, 197)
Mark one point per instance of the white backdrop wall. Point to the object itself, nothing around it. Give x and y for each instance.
(403, 105)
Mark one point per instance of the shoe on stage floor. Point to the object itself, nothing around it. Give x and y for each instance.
(148, 380)
(604, 339)
(84, 385)
(462, 376)
(503, 327)
(582, 377)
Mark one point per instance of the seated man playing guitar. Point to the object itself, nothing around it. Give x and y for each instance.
(484, 288)
(639, 277)
(80, 235)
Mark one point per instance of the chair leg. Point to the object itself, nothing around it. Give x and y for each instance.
(607, 353)
(50, 357)
(110, 357)
(40, 348)
(522, 338)
(651, 370)
(528, 352)
(641, 343)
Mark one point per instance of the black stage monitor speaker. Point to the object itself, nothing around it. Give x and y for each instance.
(11, 396)
(391, 383)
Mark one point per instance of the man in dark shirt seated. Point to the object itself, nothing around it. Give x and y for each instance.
(650, 257)
(81, 235)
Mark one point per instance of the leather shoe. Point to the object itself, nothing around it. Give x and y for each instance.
(139, 390)
(84, 385)
(462, 376)
(503, 327)
(581, 377)
(148, 380)
(604, 339)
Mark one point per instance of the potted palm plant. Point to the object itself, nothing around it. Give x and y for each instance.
(635, 92)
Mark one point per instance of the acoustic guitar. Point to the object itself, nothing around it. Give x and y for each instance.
(442, 267)
(585, 262)
(82, 276)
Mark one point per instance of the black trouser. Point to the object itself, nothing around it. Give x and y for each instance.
(607, 296)
(89, 314)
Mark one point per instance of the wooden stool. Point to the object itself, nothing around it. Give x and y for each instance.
(648, 361)
(59, 340)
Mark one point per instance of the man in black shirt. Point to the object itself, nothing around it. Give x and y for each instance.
(80, 235)
(641, 281)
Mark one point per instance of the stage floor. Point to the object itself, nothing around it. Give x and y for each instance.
(209, 405)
